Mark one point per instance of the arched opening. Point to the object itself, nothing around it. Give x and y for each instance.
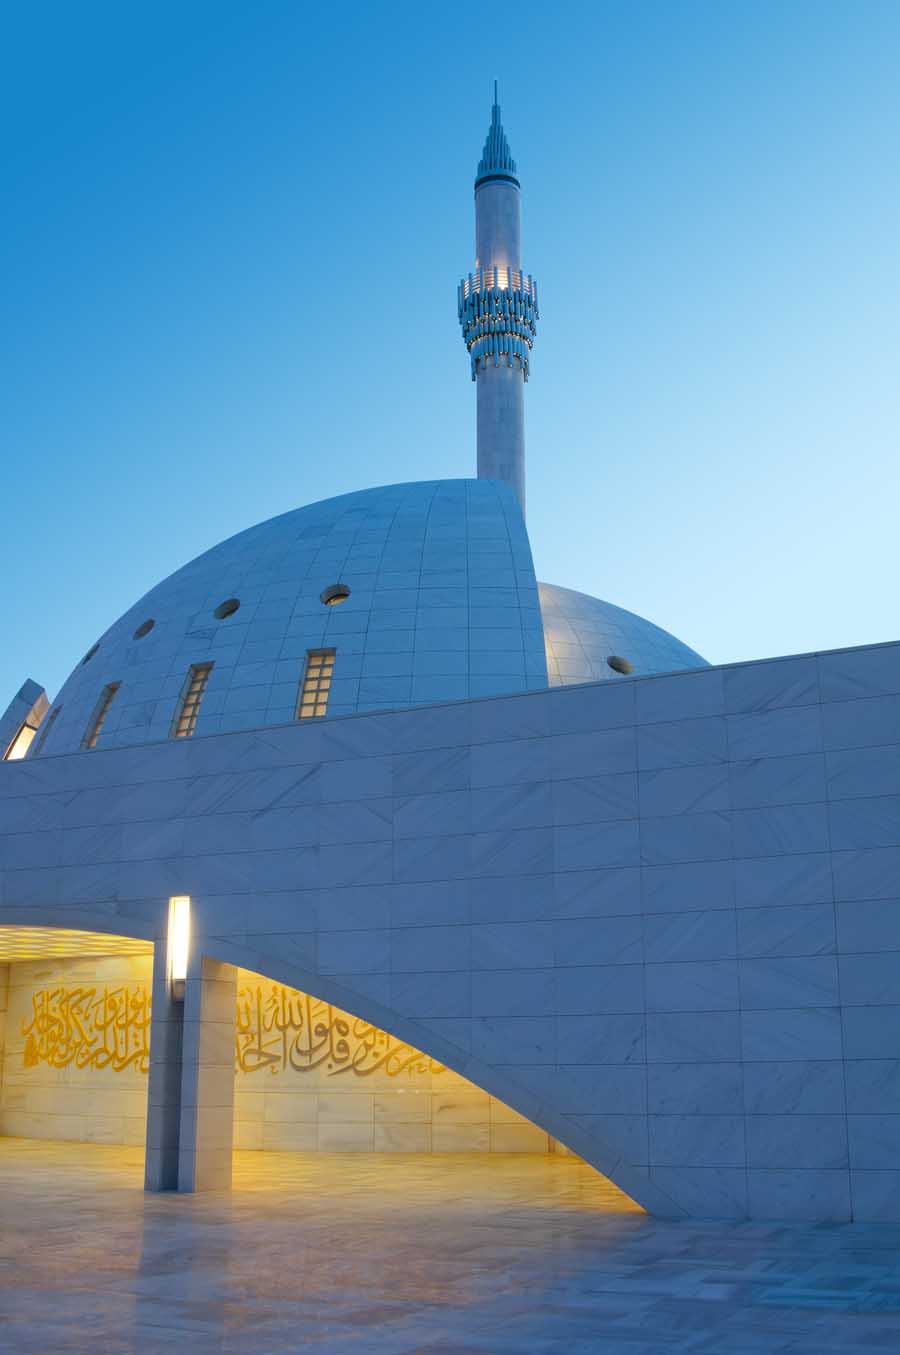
(74, 1045)
(318, 1091)
(328, 1101)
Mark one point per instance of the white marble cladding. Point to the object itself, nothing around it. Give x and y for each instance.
(658, 917)
(443, 605)
(581, 632)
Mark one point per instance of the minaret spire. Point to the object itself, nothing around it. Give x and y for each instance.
(498, 313)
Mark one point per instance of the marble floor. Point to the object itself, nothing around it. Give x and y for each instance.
(365, 1255)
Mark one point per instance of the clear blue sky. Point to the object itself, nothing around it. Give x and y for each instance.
(231, 238)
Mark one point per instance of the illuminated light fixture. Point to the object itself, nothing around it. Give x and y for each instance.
(179, 944)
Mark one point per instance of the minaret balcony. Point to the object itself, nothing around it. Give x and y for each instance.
(501, 279)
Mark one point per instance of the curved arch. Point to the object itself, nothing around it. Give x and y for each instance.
(588, 1145)
(79, 919)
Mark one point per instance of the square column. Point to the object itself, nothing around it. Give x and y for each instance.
(4, 1005)
(164, 1086)
(206, 1130)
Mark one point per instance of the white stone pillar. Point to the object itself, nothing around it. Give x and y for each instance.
(4, 1005)
(164, 1084)
(206, 1133)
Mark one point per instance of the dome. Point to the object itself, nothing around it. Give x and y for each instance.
(583, 633)
(442, 606)
(421, 592)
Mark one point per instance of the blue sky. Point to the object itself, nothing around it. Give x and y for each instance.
(232, 236)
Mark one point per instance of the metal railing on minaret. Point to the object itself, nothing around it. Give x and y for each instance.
(497, 307)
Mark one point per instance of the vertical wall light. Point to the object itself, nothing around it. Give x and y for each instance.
(179, 944)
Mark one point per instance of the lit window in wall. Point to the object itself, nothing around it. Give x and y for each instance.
(20, 744)
(101, 710)
(186, 720)
(316, 684)
(45, 729)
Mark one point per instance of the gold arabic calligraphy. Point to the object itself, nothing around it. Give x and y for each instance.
(285, 1029)
(277, 1028)
(90, 1027)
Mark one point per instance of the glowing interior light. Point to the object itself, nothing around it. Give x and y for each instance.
(179, 943)
(20, 744)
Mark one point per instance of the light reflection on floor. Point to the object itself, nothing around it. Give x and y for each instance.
(384, 1255)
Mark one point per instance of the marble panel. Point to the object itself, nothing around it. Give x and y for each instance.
(807, 929)
(687, 886)
(798, 1033)
(693, 837)
(598, 941)
(802, 981)
(796, 779)
(604, 1039)
(583, 847)
(692, 1037)
(874, 1142)
(692, 986)
(794, 1087)
(871, 1032)
(782, 829)
(799, 1194)
(689, 936)
(864, 772)
(766, 686)
(697, 1140)
(854, 673)
(682, 743)
(870, 979)
(695, 1088)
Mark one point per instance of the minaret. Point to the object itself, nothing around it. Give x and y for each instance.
(498, 314)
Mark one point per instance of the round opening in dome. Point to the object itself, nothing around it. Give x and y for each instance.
(90, 654)
(144, 629)
(618, 664)
(227, 608)
(336, 593)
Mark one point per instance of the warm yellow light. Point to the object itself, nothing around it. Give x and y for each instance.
(179, 942)
(20, 744)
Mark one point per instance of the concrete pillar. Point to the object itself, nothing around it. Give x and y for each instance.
(4, 1004)
(164, 1085)
(206, 1133)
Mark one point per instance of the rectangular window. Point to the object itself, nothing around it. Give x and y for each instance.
(186, 720)
(101, 710)
(45, 728)
(20, 744)
(316, 683)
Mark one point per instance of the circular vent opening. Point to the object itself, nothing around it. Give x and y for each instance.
(90, 654)
(335, 594)
(143, 629)
(227, 608)
(618, 664)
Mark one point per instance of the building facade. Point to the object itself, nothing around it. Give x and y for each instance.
(352, 806)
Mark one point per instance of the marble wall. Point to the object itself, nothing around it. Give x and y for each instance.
(308, 1076)
(105, 1099)
(322, 1080)
(4, 999)
(659, 917)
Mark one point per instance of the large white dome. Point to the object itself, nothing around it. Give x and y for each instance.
(443, 605)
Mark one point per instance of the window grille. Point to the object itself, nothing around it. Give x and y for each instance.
(314, 689)
(101, 710)
(186, 719)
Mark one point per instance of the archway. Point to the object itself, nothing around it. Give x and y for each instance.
(75, 1036)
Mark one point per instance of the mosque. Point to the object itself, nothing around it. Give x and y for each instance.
(351, 835)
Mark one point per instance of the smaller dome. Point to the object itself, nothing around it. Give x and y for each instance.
(589, 640)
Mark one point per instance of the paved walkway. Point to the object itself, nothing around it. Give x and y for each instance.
(365, 1255)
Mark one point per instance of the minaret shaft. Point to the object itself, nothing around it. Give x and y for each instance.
(498, 313)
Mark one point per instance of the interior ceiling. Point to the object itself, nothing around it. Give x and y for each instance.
(40, 943)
